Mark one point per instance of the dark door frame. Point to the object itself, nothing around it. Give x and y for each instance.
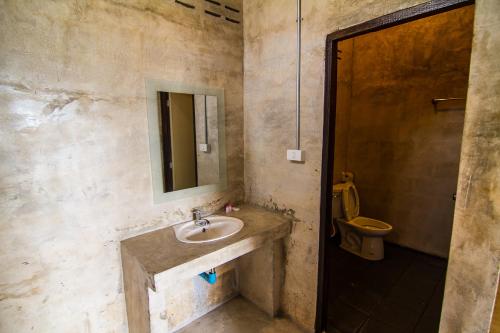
(166, 141)
(430, 8)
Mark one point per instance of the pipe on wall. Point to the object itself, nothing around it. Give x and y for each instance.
(297, 107)
(206, 121)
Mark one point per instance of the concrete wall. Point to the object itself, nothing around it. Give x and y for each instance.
(269, 103)
(75, 173)
(403, 153)
(473, 267)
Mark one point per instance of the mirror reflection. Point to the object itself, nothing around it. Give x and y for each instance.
(189, 140)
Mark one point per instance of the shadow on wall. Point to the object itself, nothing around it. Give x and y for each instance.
(404, 153)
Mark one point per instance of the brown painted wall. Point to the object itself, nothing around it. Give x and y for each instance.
(495, 322)
(182, 134)
(403, 153)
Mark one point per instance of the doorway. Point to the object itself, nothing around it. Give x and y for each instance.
(394, 111)
(179, 149)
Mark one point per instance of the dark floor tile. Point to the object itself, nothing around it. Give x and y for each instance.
(333, 293)
(336, 258)
(414, 303)
(425, 271)
(397, 315)
(436, 301)
(429, 323)
(360, 298)
(401, 293)
(397, 253)
(431, 260)
(413, 286)
(375, 326)
(333, 330)
(338, 285)
(379, 288)
(345, 318)
(376, 283)
(353, 274)
(413, 296)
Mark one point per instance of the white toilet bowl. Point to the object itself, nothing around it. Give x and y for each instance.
(359, 235)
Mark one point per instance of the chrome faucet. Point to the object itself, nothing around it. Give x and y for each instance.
(197, 217)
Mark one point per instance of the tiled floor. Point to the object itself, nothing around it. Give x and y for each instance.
(400, 294)
(239, 316)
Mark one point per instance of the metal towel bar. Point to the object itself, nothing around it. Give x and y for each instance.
(437, 100)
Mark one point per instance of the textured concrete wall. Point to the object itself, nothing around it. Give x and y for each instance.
(269, 103)
(75, 173)
(403, 153)
(473, 268)
(269, 98)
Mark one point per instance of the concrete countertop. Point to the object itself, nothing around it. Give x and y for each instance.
(160, 251)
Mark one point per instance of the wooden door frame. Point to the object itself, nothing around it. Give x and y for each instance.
(426, 9)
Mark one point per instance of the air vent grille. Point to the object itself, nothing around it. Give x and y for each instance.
(216, 9)
(231, 9)
(212, 13)
(185, 4)
(232, 20)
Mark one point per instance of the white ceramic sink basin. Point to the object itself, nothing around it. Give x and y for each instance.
(220, 227)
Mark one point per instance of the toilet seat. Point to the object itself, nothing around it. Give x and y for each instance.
(370, 227)
(350, 199)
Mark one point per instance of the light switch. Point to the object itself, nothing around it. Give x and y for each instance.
(204, 147)
(295, 155)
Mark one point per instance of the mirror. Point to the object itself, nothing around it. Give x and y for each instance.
(189, 140)
(186, 135)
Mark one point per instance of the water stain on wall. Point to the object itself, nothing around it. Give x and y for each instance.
(75, 172)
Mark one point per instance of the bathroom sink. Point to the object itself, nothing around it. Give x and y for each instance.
(220, 227)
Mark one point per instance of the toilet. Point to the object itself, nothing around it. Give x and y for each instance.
(359, 235)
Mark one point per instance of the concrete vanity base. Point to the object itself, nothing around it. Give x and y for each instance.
(260, 275)
(153, 262)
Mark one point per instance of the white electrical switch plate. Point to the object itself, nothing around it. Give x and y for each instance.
(295, 155)
(204, 147)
